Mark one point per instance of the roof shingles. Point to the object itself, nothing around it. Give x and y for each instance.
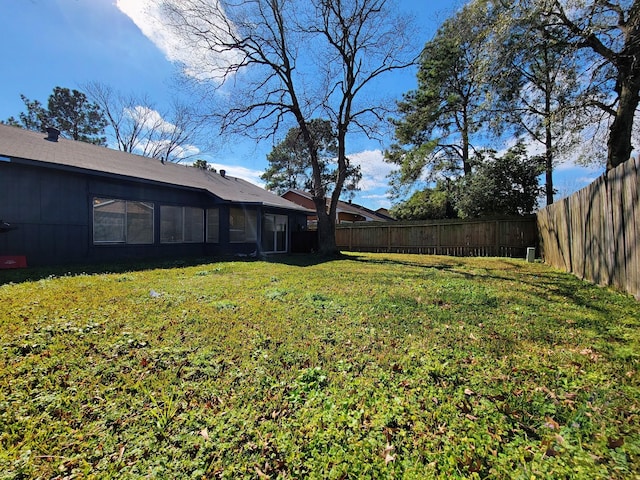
(22, 144)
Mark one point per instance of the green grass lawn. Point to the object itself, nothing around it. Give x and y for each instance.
(369, 366)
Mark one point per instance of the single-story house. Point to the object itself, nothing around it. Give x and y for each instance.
(346, 212)
(67, 201)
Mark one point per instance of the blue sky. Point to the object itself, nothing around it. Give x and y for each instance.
(69, 43)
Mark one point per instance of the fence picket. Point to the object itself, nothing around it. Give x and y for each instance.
(495, 237)
(595, 232)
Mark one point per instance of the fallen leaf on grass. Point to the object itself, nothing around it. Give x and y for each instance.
(588, 352)
(204, 433)
(549, 451)
(549, 393)
(615, 442)
(261, 474)
(387, 454)
(120, 453)
(552, 424)
(396, 368)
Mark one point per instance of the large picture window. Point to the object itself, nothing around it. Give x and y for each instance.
(121, 221)
(213, 225)
(243, 225)
(181, 224)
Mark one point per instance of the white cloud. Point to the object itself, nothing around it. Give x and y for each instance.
(586, 180)
(376, 201)
(150, 119)
(571, 165)
(198, 59)
(252, 176)
(159, 147)
(374, 169)
(186, 151)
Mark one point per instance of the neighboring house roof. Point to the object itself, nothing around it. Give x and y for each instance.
(358, 210)
(385, 212)
(17, 143)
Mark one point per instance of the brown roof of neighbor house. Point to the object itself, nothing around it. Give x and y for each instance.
(349, 207)
(17, 143)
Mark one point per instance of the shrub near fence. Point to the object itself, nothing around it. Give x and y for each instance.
(501, 237)
(594, 233)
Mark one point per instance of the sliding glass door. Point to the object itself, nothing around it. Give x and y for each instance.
(274, 233)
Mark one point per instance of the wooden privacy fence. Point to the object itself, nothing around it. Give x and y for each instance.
(502, 237)
(594, 233)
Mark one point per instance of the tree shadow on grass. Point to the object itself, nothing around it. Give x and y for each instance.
(563, 284)
(31, 274)
(540, 289)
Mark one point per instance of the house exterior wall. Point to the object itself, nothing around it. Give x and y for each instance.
(53, 215)
(346, 212)
(300, 200)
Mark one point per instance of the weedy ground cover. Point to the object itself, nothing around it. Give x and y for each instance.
(369, 366)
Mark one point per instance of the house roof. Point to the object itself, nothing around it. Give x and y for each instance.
(348, 207)
(19, 144)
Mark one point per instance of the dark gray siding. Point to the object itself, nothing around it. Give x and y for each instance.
(52, 210)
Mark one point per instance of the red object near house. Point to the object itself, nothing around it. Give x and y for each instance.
(13, 261)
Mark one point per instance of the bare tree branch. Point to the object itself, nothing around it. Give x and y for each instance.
(295, 60)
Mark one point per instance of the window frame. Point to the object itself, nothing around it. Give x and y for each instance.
(208, 237)
(183, 225)
(247, 215)
(125, 234)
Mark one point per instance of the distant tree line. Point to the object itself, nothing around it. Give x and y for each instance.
(549, 73)
(558, 75)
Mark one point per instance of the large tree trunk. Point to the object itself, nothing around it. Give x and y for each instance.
(326, 228)
(327, 236)
(548, 174)
(326, 219)
(627, 87)
(619, 144)
(548, 149)
(466, 144)
(327, 215)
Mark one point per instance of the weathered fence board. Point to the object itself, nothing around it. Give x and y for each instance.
(595, 232)
(504, 237)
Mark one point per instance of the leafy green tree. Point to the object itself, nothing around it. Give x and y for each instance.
(538, 87)
(505, 185)
(67, 110)
(607, 35)
(203, 165)
(439, 119)
(32, 119)
(290, 161)
(427, 204)
(70, 112)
